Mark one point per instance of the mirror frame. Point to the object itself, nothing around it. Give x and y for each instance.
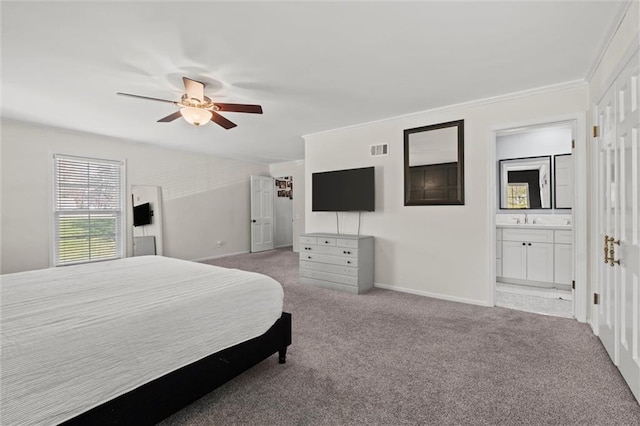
(459, 200)
(501, 180)
(555, 191)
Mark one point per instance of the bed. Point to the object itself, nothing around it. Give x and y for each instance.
(130, 341)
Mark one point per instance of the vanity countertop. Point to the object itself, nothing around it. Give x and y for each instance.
(534, 226)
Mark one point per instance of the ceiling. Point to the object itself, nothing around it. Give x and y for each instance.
(313, 66)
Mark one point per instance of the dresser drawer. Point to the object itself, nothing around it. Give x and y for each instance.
(334, 251)
(528, 235)
(326, 241)
(327, 276)
(342, 242)
(325, 258)
(308, 240)
(326, 267)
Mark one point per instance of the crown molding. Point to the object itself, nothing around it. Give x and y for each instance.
(466, 105)
(606, 42)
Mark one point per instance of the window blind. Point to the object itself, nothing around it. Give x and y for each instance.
(88, 200)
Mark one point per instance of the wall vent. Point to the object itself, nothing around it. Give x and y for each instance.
(379, 150)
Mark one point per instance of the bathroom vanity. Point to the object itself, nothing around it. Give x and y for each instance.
(535, 254)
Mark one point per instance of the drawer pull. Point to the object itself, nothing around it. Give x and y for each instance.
(348, 261)
(326, 242)
(524, 244)
(529, 243)
(346, 252)
(308, 257)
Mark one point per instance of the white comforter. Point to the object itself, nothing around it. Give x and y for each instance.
(75, 337)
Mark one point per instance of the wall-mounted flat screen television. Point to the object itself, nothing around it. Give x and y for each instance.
(343, 190)
(142, 214)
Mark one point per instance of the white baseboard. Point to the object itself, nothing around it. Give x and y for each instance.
(219, 256)
(434, 295)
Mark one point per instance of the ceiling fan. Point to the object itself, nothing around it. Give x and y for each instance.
(198, 109)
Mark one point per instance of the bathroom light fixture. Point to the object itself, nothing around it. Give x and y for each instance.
(196, 116)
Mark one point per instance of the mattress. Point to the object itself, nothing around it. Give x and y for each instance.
(75, 337)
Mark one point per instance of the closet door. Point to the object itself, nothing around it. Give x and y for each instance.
(619, 223)
(628, 133)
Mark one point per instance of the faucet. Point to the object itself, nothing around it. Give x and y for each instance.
(526, 217)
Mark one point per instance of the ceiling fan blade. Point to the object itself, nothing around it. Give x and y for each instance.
(194, 89)
(218, 119)
(169, 118)
(145, 97)
(253, 109)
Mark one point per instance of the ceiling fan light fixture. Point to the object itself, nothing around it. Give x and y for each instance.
(196, 116)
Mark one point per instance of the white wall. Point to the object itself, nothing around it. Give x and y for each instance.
(441, 251)
(206, 199)
(535, 142)
(295, 169)
(284, 220)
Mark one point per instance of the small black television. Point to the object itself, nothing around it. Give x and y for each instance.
(142, 214)
(343, 190)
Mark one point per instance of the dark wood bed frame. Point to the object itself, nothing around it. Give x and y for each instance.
(158, 399)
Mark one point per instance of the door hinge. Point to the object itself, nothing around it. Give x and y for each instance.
(596, 131)
(573, 144)
(573, 284)
(596, 299)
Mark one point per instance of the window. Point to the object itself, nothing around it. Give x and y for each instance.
(88, 209)
(518, 196)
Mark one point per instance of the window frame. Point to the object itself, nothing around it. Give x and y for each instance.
(510, 189)
(121, 239)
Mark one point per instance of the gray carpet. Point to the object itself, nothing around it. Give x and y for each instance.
(398, 359)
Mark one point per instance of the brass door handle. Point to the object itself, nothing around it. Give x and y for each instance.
(609, 250)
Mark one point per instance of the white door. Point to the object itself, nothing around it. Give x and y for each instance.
(627, 135)
(606, 309)
(618, 313)
(261, 213)
(540, 262)
(514, 259)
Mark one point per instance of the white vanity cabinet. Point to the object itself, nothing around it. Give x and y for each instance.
(499, 252)
(337, 261)
(527, 254)
(563, 257)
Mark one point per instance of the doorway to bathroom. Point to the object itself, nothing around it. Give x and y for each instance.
(534, 218)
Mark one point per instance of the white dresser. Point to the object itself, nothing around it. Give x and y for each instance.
(337, 261)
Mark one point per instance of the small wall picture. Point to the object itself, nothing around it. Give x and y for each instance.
(284, 187)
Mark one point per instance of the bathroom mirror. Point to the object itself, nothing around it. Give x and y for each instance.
(434, 164)
(525, 183)
(563, 181)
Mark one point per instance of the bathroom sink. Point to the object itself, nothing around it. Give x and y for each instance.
(534, 225)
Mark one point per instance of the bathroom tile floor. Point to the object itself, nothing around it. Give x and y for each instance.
(533, 299)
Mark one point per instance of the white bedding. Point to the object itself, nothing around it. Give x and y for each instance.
(75, 337)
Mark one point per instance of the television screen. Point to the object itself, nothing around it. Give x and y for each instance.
(142, 214)
(343, 190)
